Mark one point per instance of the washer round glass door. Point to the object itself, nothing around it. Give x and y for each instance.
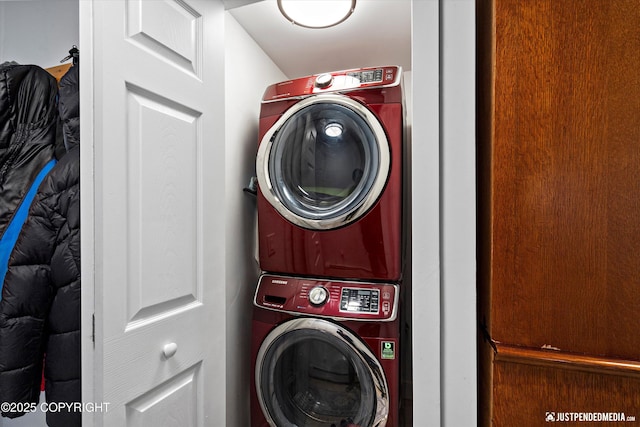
(324, 163)
(314, 373)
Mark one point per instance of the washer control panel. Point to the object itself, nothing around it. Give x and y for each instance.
(328, 298)
(336, 81)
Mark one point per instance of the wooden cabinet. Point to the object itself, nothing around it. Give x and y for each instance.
(531, 391)
(559, 205)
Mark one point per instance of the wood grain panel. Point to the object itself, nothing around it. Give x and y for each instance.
(567, 361)
(562, 175)
(525, 394)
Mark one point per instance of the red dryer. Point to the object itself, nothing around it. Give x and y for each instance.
(330, 173)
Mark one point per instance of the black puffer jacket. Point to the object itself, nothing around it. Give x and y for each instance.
(40, 306)
(28, 117)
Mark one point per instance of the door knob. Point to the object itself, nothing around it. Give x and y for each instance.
(169, 350)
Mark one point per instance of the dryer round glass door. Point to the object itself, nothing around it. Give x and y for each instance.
(315, 373)
(324, 163)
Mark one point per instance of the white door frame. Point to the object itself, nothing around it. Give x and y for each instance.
(87, 210)
(443, 208)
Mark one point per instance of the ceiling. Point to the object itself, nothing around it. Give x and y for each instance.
(378, 33)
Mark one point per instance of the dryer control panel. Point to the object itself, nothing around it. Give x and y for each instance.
(336, 81)
(328, 298)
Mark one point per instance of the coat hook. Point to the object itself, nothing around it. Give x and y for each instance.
(73, 53)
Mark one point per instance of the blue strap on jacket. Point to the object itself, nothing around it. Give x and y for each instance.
(12, 232)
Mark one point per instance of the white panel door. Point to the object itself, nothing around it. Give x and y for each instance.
(158, 132)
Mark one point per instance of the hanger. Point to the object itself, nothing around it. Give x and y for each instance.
(60, 70)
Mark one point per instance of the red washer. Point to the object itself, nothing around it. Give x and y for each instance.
(329, 168)
(325, 352)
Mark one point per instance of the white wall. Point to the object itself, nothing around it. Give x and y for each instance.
(39, 32)
(248, 72)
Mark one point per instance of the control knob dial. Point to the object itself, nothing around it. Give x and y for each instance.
(318, 296)
(324, 80)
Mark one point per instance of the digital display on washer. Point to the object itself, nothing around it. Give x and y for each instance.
(368, 76)
(359, 300)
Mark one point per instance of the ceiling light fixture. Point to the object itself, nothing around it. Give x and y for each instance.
(316, 13)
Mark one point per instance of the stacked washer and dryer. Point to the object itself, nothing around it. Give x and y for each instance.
(326, 319)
